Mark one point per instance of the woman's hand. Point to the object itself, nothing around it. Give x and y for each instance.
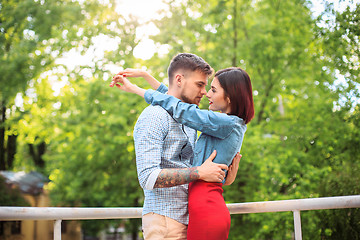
(233, 169)
(124, 84)
(130, 72)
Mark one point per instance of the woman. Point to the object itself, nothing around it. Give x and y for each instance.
(231, 94)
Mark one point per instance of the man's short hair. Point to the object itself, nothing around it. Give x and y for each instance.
(188, 62)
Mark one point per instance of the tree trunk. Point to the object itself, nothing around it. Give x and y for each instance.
(36, 154)
(11, 150)
(2, 136)
(234, 60)
(264, 101)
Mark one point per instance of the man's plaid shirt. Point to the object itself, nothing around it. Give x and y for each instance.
(160, 143)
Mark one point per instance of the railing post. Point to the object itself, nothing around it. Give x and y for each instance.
(297, 225)
(57, 229)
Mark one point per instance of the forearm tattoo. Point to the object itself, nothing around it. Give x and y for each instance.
(174, 177)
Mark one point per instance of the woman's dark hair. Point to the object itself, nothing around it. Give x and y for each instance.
(188, 62)
(237, 87)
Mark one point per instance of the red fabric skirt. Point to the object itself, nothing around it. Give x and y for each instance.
(209, 218)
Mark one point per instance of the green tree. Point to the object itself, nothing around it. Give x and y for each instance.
(45, 125)
(91, 155)
(292, 145)
(33, 35)
(339, 34)
(339, 31)
(302, 143)
(91, 150)
(26, 28)
(32, 126)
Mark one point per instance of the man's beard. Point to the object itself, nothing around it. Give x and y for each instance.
(187, 100)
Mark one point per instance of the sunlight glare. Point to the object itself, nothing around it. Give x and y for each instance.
(145, 11)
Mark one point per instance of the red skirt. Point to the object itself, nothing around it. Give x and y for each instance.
(209, 218)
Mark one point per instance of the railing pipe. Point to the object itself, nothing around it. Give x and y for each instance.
(65, 213)
(296, 204)
(61, 213)
(57, 230)
(297, 225)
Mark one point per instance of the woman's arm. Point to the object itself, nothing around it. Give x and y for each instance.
(233, 169)
(129, 72)
(219, 125)
(124, 84)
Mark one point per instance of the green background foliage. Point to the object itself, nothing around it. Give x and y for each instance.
(303, 142)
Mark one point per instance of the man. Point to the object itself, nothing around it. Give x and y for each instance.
(164, 152)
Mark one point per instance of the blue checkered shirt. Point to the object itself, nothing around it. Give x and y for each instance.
(160, 143)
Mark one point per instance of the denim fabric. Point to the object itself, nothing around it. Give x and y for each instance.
(221, 132)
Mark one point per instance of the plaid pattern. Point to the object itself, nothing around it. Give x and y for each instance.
(161, 142)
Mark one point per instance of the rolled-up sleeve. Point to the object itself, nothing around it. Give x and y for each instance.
(149, 134)
(162, 88)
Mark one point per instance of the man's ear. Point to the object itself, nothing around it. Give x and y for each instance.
(178, 79)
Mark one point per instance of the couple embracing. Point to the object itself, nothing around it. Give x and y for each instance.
(182, 175)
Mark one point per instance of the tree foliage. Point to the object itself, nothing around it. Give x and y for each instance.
(46, 127)
(91, 157)
(297, 145)
(302, 143)
(33, 35)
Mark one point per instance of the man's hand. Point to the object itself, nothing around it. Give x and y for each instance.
(212, 172)
(208, 171)
(233, 169)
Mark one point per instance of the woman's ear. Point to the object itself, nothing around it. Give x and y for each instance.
(228, 100)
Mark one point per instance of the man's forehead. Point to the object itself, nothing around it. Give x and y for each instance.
(200, 77)
(202, 81)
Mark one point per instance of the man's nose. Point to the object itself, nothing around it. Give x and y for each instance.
(203, 91)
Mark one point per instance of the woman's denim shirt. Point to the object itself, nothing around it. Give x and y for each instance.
(221, 132)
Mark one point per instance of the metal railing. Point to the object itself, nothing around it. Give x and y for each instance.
(62, 213)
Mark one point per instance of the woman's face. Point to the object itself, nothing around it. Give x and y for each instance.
(217, 99)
